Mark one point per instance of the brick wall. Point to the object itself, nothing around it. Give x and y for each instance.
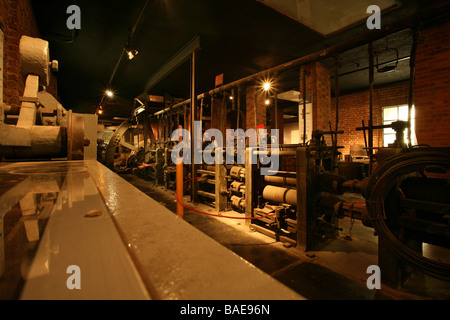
(321, 97)
(432, 87)
(431, 96)
(319, 94)
(355, 107)
(17, 19)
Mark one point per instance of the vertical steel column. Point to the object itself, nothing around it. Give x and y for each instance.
(371, 76)
(412, 77)
(248, 185)
(255, 108)
(304, 227)
(179, 188)
(193, 118)
(336, 92)
(146, 125)
(276, 111)
(238, 107)
(221, 182)
(304, 105)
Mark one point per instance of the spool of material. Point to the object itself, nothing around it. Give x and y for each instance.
(237, 172)
(281, 181)
(35, 58)
(280, 195)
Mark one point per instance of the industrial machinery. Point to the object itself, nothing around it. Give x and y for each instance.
(408, 203)
(41, 128)
(134, 147)
(298, 204)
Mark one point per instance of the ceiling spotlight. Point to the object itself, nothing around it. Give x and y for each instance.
(266, 86)
(131, 53)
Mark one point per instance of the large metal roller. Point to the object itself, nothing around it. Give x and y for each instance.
(280, 195)
(35, 58)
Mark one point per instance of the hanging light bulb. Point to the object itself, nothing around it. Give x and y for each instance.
(109, 93)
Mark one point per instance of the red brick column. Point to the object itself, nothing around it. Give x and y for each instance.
(17, 19)
(432, 87)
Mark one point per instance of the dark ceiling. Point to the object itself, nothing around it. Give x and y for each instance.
(237, 37)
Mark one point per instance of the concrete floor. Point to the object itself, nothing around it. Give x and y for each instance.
(335, 270)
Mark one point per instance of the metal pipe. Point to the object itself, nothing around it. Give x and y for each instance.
(238, 107)
(193, 104)
(276, 152)
(304, 106)
(276, 110)
(336, 91)
(371, 76)
(179, 189)
(208, 172)
(254, 107)
(365, 68)
(412, 76)
(206, 194)
(283, 173)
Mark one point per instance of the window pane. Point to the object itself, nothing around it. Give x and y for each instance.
(390, 114)
(388, 138)
(403, 113)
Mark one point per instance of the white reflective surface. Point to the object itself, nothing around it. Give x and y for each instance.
(60, 220)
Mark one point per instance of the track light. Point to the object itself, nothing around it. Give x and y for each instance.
(99, 110)
(131, 53)
(267, 85)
